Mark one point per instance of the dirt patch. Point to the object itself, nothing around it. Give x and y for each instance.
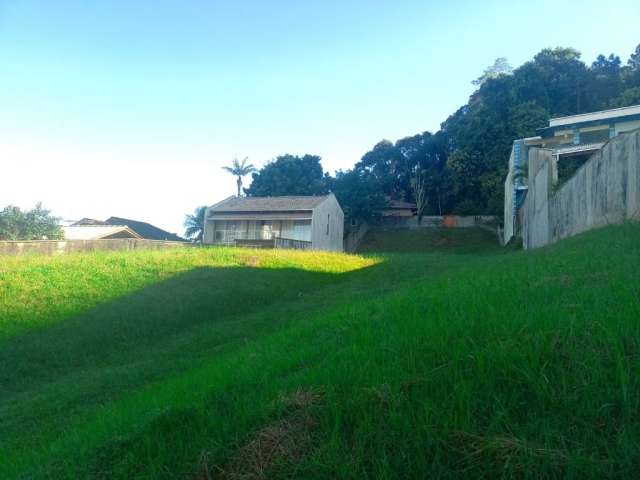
(252, 261)
(274, 447)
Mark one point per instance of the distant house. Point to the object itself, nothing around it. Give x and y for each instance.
(398, 208)
(144, 229)
(305, 222)
(98, 232)
(116, 227)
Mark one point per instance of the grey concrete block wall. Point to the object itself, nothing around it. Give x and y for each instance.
(605, 190)
(58, 247)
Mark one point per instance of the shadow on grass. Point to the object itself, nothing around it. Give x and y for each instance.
(119, 346)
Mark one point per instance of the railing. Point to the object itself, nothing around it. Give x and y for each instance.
(231, 237)
(292, 244)
(259, 239)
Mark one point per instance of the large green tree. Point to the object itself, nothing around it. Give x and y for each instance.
(359, 194)
(465, 163)
(289, 175)
(34, 224)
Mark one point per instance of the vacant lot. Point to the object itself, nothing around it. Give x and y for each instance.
(224, 363)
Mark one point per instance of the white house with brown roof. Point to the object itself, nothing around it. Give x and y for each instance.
(304, 222)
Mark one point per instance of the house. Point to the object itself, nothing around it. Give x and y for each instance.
(398, 208)
(97, 232)
(116, 227)
(144, 229)
(304, 222)
(571, 140)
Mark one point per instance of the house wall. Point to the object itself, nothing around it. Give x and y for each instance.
(328, 213)
(622, 127)
(207, 234)
(606, 189)
(265, 228)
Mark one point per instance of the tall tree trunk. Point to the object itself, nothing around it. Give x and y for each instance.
(239, 185)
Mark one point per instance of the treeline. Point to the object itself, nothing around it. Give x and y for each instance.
(463, 165)
(34, 224)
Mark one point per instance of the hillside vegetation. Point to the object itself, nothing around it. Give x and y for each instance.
(225, 363)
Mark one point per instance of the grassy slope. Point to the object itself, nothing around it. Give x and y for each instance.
(445, 240)
(515, 365)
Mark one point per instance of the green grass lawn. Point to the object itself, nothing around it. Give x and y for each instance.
(225, 363)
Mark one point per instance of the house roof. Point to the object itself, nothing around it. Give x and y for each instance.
(268, 204)
(400, 204)
(603, 117)
(144, 229)
(87, 221)
(95, 232)
(593, 116)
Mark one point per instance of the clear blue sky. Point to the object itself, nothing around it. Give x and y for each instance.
(130, 108)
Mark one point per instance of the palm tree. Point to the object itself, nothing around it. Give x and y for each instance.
(195, 224)
(240, 169)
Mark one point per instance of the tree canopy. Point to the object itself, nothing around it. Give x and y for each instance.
(463, 165)
(289, 175)
(466, 161)
(194, 224)
(34, 224)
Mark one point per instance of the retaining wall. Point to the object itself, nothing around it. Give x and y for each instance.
(353, 239)
(57, 247)
(449, 221)
(605, 190)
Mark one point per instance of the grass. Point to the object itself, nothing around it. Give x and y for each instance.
(444, 240)
(223, 363)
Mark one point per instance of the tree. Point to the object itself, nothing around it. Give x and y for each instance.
(606, 80)
(34, 224)
(500, 67)
(630, 96)
(194, 224)
(419, 192)
(634, 59)
(631, 72)
(289, 175)
(359, 195)
(240, 169)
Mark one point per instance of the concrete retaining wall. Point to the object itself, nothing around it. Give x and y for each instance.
(57, 247)
(353, 239)
(605, 190)
(451, 221)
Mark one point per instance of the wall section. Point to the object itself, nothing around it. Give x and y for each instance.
(605, 190)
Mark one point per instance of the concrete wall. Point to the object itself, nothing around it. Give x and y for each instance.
(353, 239)
(606, 189)
(451, 221)
(535, 230)
(328, 213)
(57, 247)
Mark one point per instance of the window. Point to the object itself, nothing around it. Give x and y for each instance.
(328, 221)
(595, 136)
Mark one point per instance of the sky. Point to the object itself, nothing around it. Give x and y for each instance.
(130, 108)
